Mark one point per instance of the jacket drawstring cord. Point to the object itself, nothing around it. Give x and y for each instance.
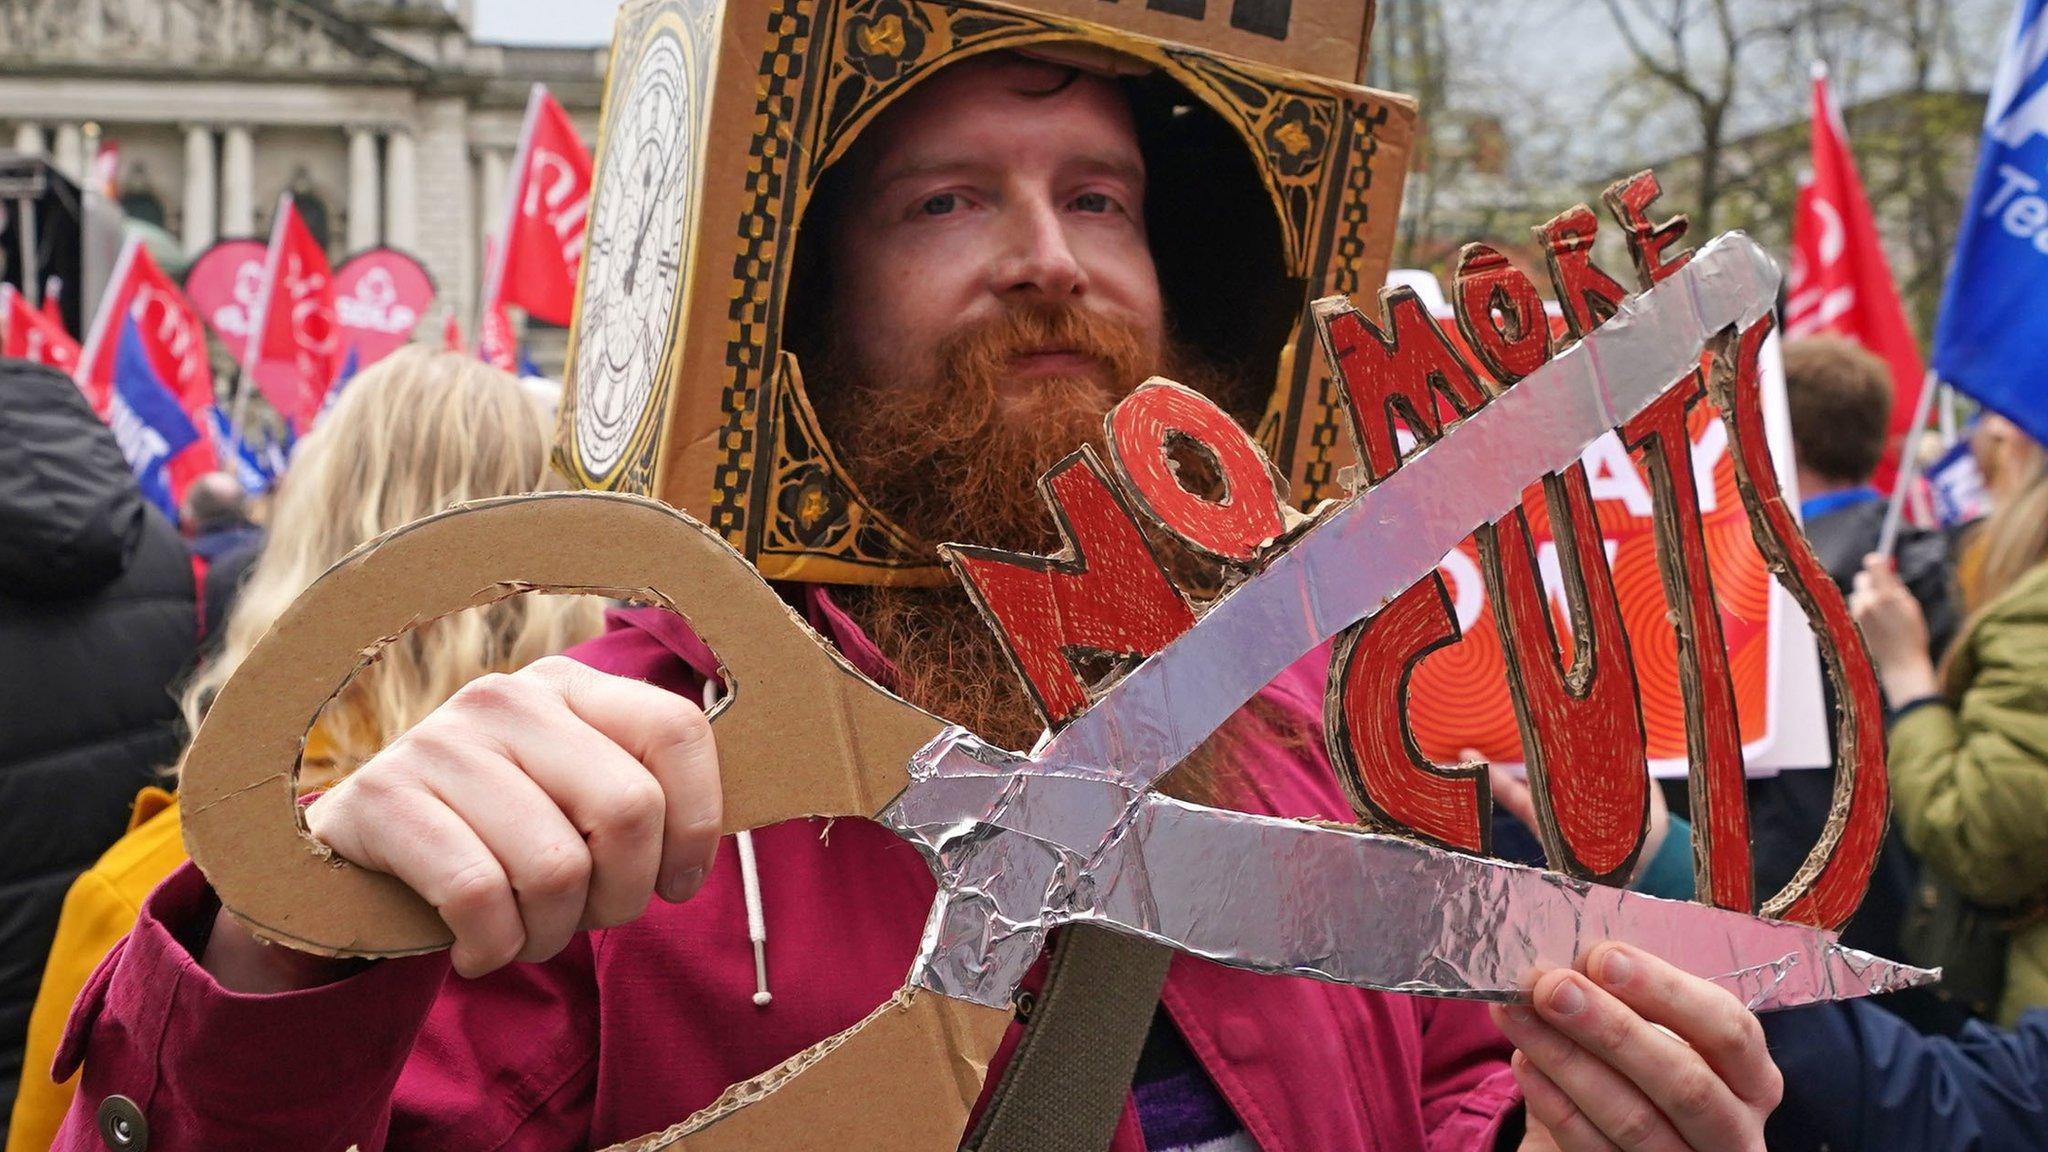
(750, 885)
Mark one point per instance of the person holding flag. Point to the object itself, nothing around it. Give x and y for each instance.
(1969, 750)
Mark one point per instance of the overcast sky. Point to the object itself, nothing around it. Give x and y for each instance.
(545, 21)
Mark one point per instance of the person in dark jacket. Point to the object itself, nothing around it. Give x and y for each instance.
(1859, 1079)
(97, 622)
(215, 517)
(1840, 397)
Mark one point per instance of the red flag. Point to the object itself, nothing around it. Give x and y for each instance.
(1840, 281)
(294, 343)
(32, 335)
(495, 342)
(171, 331)
(53, 296)
(546, 208)
(451, 334)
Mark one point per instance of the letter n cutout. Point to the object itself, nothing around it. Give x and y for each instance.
(1103, 595)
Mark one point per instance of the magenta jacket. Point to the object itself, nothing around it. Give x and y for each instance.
(631, 1029)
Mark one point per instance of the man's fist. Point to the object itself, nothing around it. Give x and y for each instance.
(527, 807)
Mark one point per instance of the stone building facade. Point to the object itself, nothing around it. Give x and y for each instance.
(386, 119)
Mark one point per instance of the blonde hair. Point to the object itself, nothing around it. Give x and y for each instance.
(414, 433)
(2014, 537)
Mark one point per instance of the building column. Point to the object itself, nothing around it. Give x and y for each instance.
(69, 152)
(200, 178)
(401, 192)
(28, 139)
(238, 182)
(496, 165)
(365, 221)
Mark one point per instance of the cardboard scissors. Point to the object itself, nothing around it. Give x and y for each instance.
(1023, 844)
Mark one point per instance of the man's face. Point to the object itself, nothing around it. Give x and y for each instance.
(1001, 186)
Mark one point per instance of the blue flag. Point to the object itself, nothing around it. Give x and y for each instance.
(341, 379)
(248, 463)
(1994, 313)
(146, 419)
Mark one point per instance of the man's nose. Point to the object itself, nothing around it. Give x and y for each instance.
(1038, 264)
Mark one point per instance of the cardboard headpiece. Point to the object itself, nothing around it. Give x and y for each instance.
(722, 120)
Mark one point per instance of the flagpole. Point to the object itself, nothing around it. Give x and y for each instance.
(515, 184)
(1909, 466)
(259, 317)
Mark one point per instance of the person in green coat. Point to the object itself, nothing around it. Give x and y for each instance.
(1969, 740)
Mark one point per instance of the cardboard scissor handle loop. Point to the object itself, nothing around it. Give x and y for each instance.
(799, 734)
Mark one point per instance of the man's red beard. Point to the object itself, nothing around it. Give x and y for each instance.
(956, 457)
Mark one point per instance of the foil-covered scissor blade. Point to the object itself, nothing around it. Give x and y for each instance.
(1386, 538)
(1383, 912)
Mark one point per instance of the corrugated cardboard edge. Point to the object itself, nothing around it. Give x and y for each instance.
(906, 1077)
(778, 762)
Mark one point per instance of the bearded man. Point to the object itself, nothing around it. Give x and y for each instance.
(990, 294)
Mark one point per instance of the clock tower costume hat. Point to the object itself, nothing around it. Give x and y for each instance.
(1275, 180)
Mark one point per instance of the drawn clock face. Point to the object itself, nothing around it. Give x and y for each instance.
(634, 253)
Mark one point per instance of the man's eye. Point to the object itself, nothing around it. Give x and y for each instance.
(941, 204)
(1094, 202)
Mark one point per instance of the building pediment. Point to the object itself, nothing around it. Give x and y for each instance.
(296, 39)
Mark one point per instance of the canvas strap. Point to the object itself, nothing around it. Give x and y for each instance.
(1065, 1085)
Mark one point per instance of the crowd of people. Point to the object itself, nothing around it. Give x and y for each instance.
(561, 814)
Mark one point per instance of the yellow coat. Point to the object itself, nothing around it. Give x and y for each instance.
(101, 908)
(98, 911)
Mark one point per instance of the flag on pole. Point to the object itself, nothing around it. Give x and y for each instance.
(249, 464)
(169, 328)
(161, 443)
(33, 335)
(1989, 340)
(346, 373)
(1840, 280)
(294, 343)
(547, 205)
(496, 344)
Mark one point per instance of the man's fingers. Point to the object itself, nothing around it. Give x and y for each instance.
(1555, 1122)
(418, 839)
(1602, 1095)
(542, 855)
(610, 800)
(672, 738)
(1709, 1019)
